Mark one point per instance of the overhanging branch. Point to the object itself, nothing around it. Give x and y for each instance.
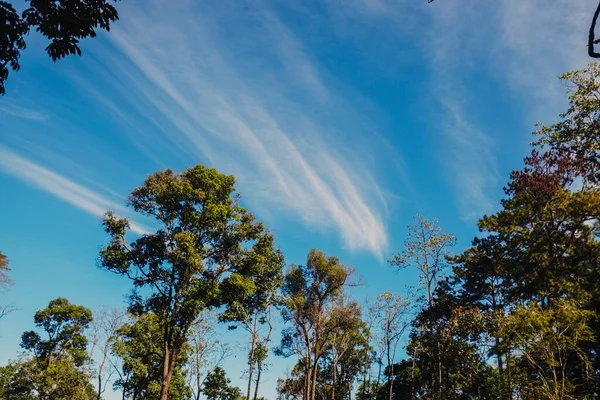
(592, 35)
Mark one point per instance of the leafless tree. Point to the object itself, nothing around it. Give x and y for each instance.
(103, 332)
(208, 351)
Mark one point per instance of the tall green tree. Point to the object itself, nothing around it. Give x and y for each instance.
(59, 368)
(64, 23)
(63, 323)
(481, 275)
(310, 293)
(519, 311)
(445, 346)
(348, 350)
(577, 138)
(427, 249)
(251, 308)
(346, 354)
(201, 252)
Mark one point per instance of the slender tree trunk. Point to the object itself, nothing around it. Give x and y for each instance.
(391, 385)
(439, 356)
(314, 380)
(259, 365)
(164, 390)
(364, 385)
(307, 377)
(379, 364)
(258, 373)
(168, 369)
(501, 372)
(198, 380)
(334, 380)
(99, 396)
(251, 359)
(389, 363)
(412, 373)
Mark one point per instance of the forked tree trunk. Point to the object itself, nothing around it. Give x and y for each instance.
(259, 364)
(168, 370)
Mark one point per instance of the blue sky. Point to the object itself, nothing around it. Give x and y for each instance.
(341, 120)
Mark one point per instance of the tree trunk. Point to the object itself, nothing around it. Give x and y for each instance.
(390, 392)
(389, 363)
(307, 378)
(503, 381)
(314, 381)
(258, 373)
(259, 364)
(99, 397)
(168, 370)
(379, 364)
(334, 380)
(439, 356)
(412, 375)
(251, 361)
(364, 385)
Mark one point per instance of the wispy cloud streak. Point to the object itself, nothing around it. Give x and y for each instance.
(9, 107)
(264, 113)
(522, 45)
(525, 44)
(60, 187)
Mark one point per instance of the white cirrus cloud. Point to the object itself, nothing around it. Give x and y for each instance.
(524, 44)
(60, 187)
(241, 94)
(11, 107)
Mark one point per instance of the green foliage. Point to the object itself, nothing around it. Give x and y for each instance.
(140, 346)
(253, 288)
(250, 297)
(217, 387)
(578, 131)
(208, 252)
(549, 341)
(63, 23)
(59, 380)
(62, 380)
(58, 368)
(347, 351)
(310, 293)
(519, 315)
(17, 381)
(63, 323)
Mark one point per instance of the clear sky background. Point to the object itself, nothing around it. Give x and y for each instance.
(340, 119)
